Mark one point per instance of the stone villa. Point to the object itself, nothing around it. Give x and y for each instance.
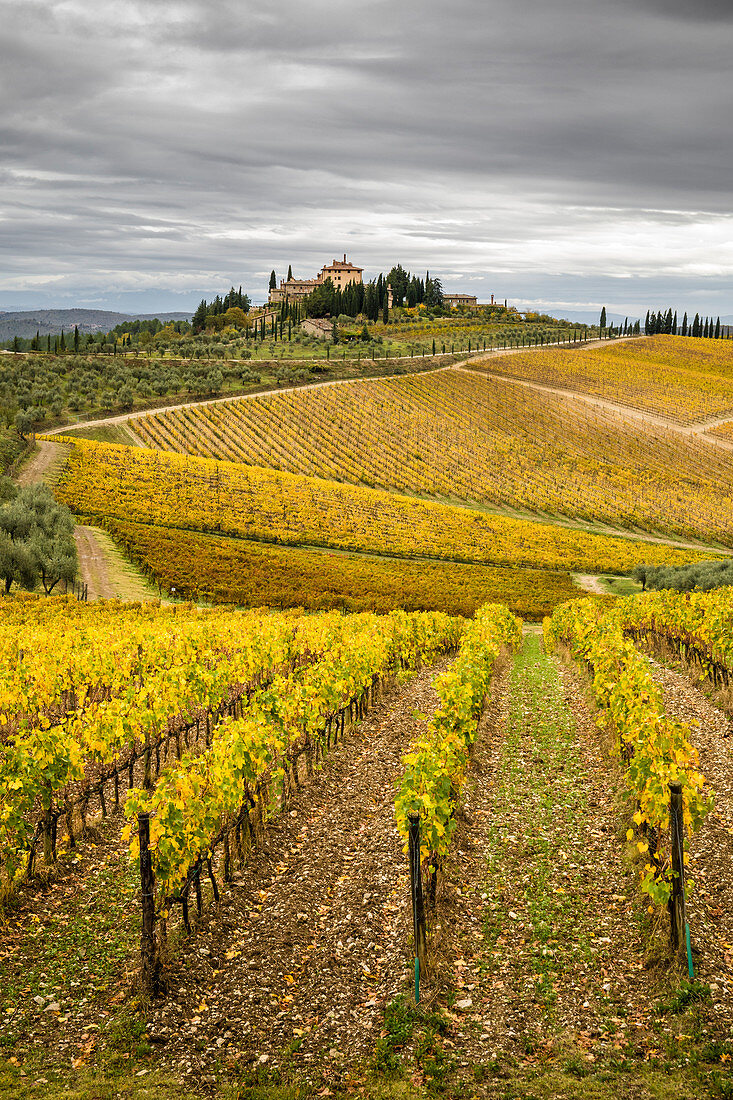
(340, 272)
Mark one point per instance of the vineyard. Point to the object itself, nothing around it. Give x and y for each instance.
(656, 750)
(269, 766)
(684, 379)
(226, 532)
(239, 571)
(462, 435)
(376, 830)
(229, 498)
(132, 684)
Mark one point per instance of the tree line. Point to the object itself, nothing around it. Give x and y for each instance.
(704, 327)
(628, 328)
(665, 321)
(209, 314)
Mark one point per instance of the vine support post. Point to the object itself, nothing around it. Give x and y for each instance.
(418, 905)
(677, 900)
(147, 886)
(49, 848)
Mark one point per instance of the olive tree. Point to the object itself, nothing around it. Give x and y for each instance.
(36, 540)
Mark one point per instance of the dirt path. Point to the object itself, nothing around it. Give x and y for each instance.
(101, 564)
(42, 463)
(312, 940)
(589, 583)
(93, 565)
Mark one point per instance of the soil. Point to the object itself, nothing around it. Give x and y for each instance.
(590, 583)
(93, 565)
(41, 462)
(538, 950)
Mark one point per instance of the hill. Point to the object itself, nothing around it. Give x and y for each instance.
(50, 322)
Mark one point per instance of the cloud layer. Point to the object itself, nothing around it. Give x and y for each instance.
(527, 150)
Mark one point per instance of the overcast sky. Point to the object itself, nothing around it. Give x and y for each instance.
(571, 153)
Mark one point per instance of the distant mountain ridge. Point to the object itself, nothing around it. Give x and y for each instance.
(50, 322)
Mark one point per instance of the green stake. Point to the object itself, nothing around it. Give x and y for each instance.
(417, 981)
(690, 968)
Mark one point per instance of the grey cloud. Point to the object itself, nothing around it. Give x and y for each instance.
(222, 140)
(693, 10)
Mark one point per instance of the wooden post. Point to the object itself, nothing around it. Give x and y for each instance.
(677, 900)
(148, 771)
(197, 889)
(227, 860)
(147, 888)
(48, 847)
(418, 907)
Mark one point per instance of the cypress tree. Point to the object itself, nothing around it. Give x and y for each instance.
(647, 323)
(273, 280)
(62, 344)
(696, 326)
(290, 272)
(668, 322)
(717, 329)
(76, 339)
(602, 322)
(684, 324)
(705, 330)
(674, 323)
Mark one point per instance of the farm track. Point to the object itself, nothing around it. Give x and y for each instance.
(41, 465)
(93, 565)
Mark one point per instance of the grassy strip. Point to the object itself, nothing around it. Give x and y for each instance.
(536, 848)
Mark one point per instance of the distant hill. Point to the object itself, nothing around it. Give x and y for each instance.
(50, 322)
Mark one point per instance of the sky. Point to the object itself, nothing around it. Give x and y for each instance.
(558, 153)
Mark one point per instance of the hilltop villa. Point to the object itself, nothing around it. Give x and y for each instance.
(339, 272)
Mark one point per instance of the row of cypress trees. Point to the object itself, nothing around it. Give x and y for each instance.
(704, 327)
